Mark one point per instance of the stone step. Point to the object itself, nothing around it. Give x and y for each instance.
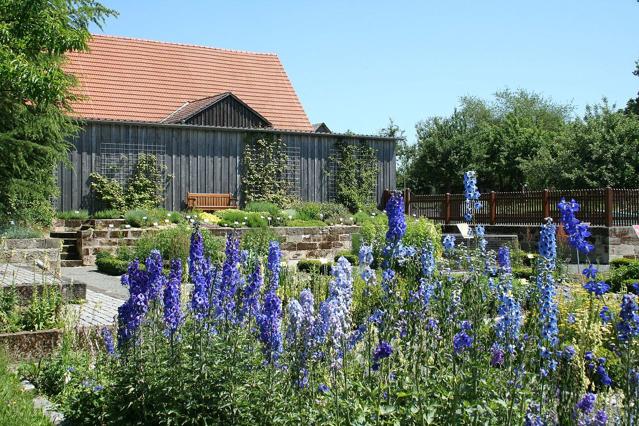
(67, 263)
(65, 235)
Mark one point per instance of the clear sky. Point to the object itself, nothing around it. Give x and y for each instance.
(356, 63)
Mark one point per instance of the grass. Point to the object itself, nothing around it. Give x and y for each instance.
(16, 408)
(108, 214)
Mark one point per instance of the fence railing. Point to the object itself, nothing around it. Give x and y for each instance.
(603, 207)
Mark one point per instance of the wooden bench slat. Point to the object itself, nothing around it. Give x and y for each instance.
(210, 202)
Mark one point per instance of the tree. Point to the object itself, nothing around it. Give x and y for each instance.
(632, 107)
(35, 94)
(496, 138)
(404, 152)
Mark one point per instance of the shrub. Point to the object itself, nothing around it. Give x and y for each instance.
(619, 275)
(352, 258)
(108, 192)
(111, 265)
(15, 232)
(73, 215)
(263, 206)
(314, 266)
(208, 217)
(355, 175)
(174, 243)
(237, 218)
(420, 230)
(107, 214)
(522, 272)
(264, 163)
(327, 212)
(145, 217)
(257, 240)
(623, 262)
(44, 311)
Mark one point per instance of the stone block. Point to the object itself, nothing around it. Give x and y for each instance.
(307, 246)
(337, 244)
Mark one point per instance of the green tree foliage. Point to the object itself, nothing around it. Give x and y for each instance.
(600, 150)
(35, 93)
(355, 174)
(633, 104)
(404, 152)
(144, 188)
(264, 168)
(496, 138)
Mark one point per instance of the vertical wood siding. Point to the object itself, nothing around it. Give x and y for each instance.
(202, 159)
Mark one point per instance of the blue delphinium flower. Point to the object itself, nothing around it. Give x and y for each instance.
(269, 322)
(134, 309)
(273, 265)
(503, 259)
(605, 314)
(628, 326)
(546, 290)
(548, 242)
(598, 288)
(449, 243)
(154, 268)
(382, 351)
(533, 417)
(172, 310)
(335, 311)
(396, 219)
(590, 272)
(509, 321)
(107, 336)
(196, 253)
(587, 403)
(497, 356)
(568, 353)
(251, 294)
(471, 194)
(201, 276)
(571, 318)
(602, 374)
(427, 260)
(600, 419)
(576, 230)
(231, 280)
(323, 388)
(462, 340)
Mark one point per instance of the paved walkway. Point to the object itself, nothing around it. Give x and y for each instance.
(105, 294)
(23, 275)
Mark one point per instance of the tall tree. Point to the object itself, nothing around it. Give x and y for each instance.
(35, 94)
(404, 152)
(632, 107)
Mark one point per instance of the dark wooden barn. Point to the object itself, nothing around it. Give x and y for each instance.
(194, 108)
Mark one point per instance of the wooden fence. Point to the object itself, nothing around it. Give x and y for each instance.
(603, 207)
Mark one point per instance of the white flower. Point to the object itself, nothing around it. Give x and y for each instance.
(341, 219)
(269, 218)
(12, 222)
(321, 215)
(236, 223)
(290, 217)
(188, 216)
(373, 214)
(206, 221)
(243, 223)
(192, 220)
(77, 212)
(245, 218)
(262, 217)
(168, 215)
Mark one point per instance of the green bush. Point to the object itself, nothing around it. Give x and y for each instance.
(44, 312)
(352, 258)
(620, 275)
(107, 214)
(623, 262)
(420, 230)
(312, 266)
(328, 212)
(174, 243)
(628, 286)
(238, 218)
(146, 217)
(257, 240)
(522, 272)
(15, 232)
(110, 265)
(263, 206)
(73, 215)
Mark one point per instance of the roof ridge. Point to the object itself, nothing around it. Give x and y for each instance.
(183, 44)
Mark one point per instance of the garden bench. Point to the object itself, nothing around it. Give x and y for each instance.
(210, 202)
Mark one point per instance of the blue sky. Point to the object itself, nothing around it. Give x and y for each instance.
(356, 63)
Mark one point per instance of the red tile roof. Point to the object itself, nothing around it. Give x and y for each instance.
(140, 80)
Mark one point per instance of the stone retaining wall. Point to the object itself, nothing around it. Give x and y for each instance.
(29, 251)
(308, 242)
(298, 243)
(30, 345)
(623, 242)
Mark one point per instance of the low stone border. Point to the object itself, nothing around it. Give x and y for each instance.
(71, 291)
(30, 344)
(29, 251)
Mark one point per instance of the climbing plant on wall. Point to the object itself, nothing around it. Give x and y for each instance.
(144, 188)
(355, 174)
(264, 165)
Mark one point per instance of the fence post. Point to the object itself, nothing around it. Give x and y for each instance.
(546, 204)
(609, 207)
(447, 208)
(493, 207)
(407, 200)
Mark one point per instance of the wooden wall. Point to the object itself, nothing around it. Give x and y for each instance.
(206, 159)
